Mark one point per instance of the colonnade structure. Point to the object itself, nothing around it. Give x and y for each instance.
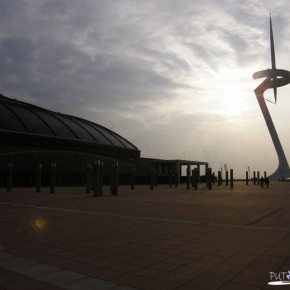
(167, 167)
(95, 173)
(274, 78)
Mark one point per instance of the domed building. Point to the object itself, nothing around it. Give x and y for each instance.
(32, 136)
(24, 127)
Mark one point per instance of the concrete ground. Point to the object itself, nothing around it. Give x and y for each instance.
(166, 238)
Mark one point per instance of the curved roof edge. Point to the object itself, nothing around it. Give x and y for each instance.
(22, 117)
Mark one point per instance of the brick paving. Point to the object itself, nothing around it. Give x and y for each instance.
(166, 238)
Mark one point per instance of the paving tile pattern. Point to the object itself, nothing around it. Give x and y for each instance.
(166, 238)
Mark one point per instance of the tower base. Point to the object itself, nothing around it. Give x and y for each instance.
(280, 174)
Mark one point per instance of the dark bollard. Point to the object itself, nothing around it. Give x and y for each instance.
(88, 178)
(151, 177)
(132, 178)
(188, 178)
(115, 178)
(92, 177)
(170, 178)
(209, 178)
(196, 178)
(213, 178)
(155, 176)
(101, 177)
(247, 178)
(227, 178)
(176, 179)
(192, 178)
(9, 177)
(52, 177)
(231, 178)
(254, 177)
(96, 178)
(219, 178)
(38, 177)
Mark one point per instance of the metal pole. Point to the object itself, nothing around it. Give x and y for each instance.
(232, 178)
(132, 178)
(88, 178)
(52, 178)
(38, 177)
(97, 178)
(151, 178)
(209, 178)
(9, 177)
(227, 178)
(187, 177)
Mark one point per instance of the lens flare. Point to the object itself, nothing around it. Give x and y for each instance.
(39, 224)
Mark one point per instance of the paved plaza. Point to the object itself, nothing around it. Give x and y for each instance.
(166, 238)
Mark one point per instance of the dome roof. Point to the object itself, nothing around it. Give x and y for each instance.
(22, 117)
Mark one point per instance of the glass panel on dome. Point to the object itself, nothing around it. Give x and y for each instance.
(8, 121)
(60, 129)
(78, 130)
(33, 123)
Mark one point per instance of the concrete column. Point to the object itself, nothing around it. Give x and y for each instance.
(170, 178)
(9, 177)
(188, 177)
(192, 178)
(227, 178)
(96, 178)
(231, 178)
(52, 177)
(38, 177)
(155, 175)
(88, 178)
(213, 177)
(177, 173)
(209, 178)
(219, 178)
(198, 173)
(92, 177)
(115, 178)
(195, 178)
(132, 178)
(101, 176)
(112, 177)
(151, 177)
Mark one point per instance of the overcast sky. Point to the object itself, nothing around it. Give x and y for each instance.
(173, 77)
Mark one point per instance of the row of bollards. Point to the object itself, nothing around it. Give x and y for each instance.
(38, 177)
(95, 173)
(210, 178)
(255, 179)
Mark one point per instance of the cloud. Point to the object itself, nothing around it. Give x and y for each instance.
(163, 73)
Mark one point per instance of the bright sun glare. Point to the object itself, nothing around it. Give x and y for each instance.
(231, 90)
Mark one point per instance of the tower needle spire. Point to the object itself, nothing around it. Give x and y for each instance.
(273, 60)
